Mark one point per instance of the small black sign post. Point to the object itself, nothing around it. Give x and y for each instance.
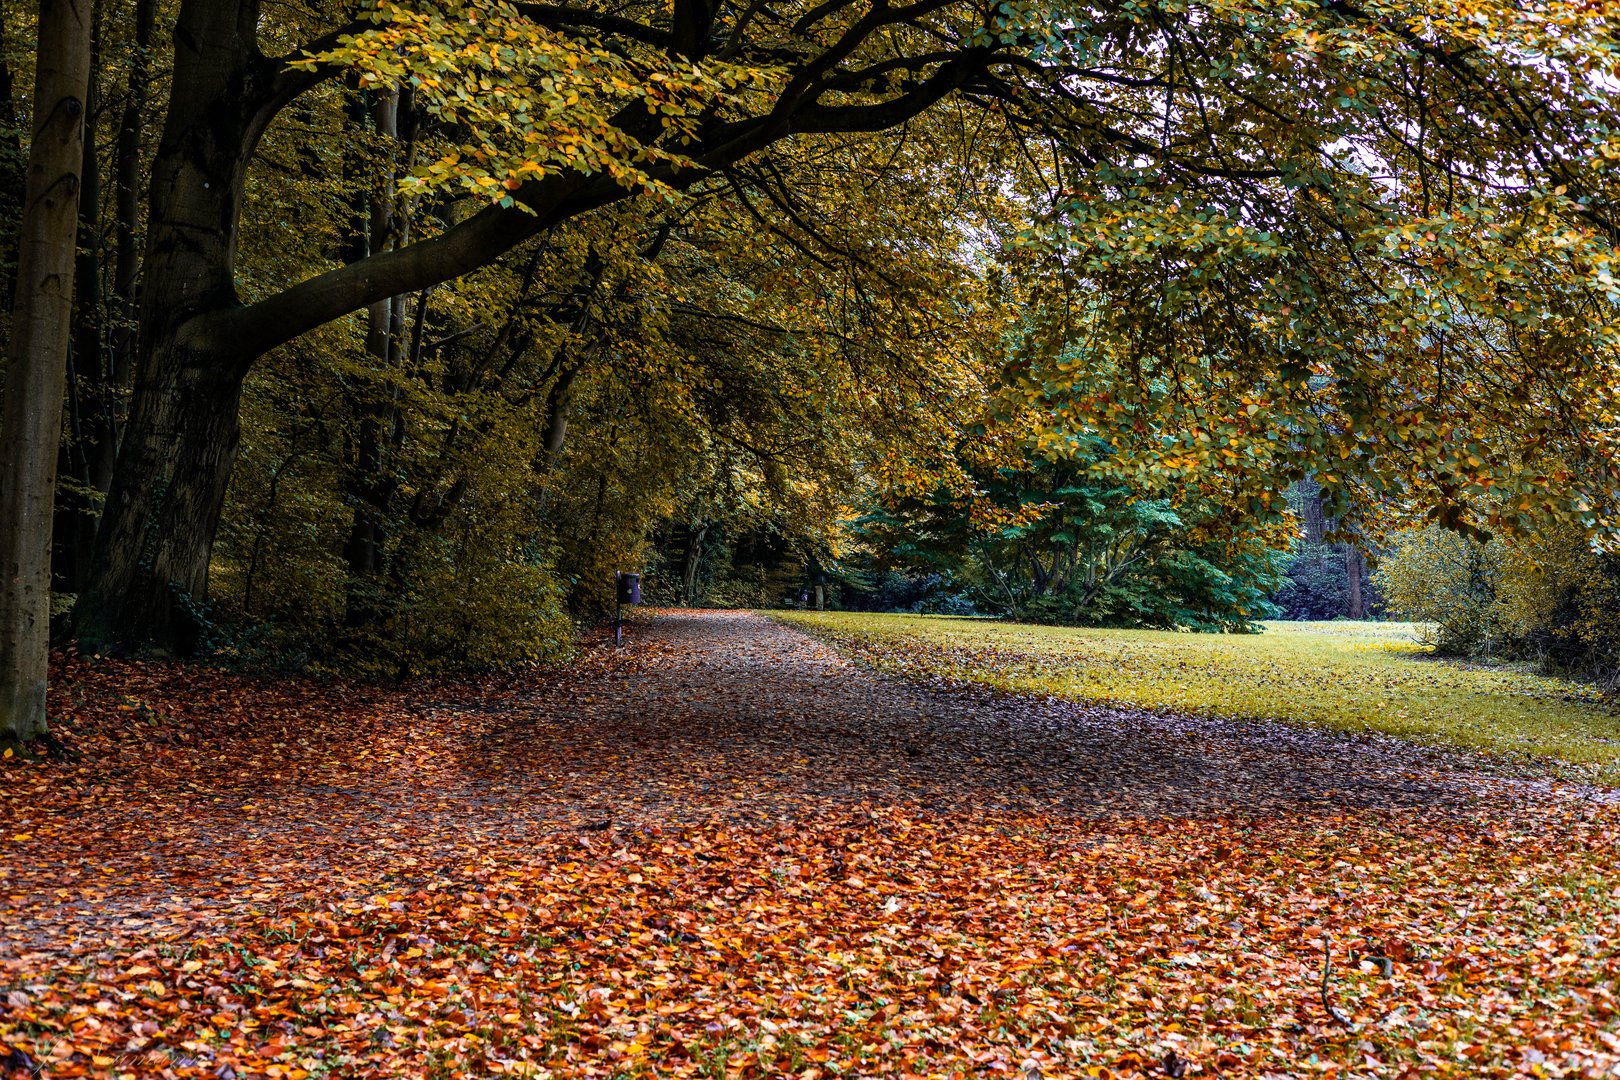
(626, 590)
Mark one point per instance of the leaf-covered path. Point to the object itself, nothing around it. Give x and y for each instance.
(730, 714)
(727, 850)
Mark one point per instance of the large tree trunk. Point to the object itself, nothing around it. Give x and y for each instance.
(196, 338)
(149, 577)
(31, 416)
(157, 535)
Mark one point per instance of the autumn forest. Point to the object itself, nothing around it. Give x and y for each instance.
(823, 538)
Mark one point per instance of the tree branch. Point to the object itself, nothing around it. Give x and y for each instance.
(556, 17)
(250, 331)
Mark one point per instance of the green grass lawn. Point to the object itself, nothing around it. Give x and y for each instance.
(1342, 675)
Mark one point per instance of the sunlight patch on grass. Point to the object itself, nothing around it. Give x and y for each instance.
(1356, 677)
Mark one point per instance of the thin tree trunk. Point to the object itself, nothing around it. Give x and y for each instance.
(692, 563)
(557, 407)
(1315, 519)
(31, 415)
(558, 403)
(371, 489)
(126, 203)
(1038, 573)
(1355, 566)
(74, 531)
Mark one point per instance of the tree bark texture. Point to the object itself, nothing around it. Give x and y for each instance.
(149, 578)
(31, 415)
(81, 458)
(692, 563)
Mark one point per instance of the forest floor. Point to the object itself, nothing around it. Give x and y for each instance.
(724, 850)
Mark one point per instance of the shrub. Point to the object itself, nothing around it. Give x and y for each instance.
(1548, 596)
(1435, 576)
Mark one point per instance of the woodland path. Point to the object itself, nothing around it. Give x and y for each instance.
(732, 714)
(702, 716)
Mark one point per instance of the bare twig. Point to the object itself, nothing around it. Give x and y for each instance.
(1327, 972)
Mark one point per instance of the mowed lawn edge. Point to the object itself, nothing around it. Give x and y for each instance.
(1349, 677)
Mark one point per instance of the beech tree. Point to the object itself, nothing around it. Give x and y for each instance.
(716, 354)
(198, 339)
(1161, 111)
(35, 362)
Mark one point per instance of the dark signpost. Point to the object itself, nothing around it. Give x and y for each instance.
(627, 590)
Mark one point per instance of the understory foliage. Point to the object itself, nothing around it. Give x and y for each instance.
(1042, 524)
(710, 555)
(1080, 555)
(1548, 597)
(459, 489)
(400, 327)
(1316, 583)
(1323, 578)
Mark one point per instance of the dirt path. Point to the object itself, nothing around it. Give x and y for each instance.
(731, 713)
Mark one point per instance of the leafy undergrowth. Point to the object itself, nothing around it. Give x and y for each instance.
(254, 879)
(1341, 676)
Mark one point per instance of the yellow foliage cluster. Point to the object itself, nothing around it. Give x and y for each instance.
(1549, 594)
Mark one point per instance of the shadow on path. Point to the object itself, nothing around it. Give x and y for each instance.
(731, 713)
